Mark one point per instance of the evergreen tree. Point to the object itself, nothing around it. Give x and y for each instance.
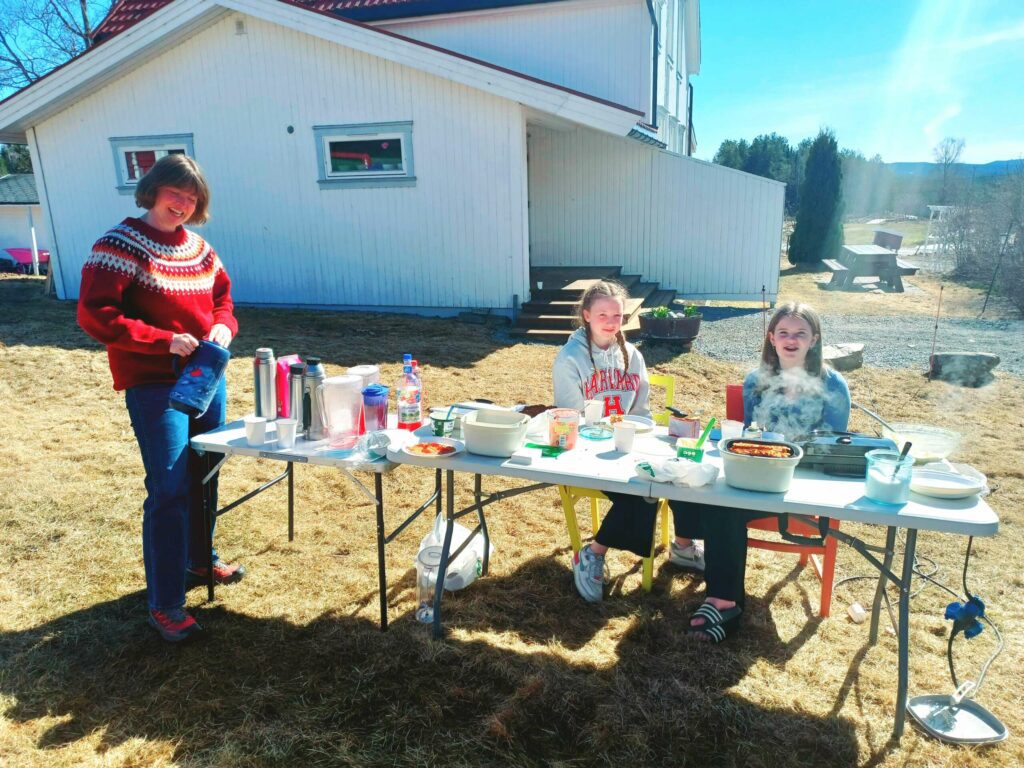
(732, 154)
(818, 233)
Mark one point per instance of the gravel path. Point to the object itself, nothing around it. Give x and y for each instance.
(735, 334)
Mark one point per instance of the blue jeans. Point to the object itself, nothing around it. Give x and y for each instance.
(172, 514)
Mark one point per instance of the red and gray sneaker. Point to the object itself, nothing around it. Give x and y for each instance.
(174, 624)
(223, 573)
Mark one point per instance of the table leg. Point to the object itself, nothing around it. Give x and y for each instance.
(904, 633)
(291, 501)
(208, 520)
(446, 549)
(483, 523)
(437, 491)
(890, 545)
(382, 579)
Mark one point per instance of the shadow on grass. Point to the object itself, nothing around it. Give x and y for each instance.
(260, 691)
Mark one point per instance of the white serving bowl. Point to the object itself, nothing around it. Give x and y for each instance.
(759, 473)
(494, 433)
(927, 443)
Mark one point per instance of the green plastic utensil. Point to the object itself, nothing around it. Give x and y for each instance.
(706, 432)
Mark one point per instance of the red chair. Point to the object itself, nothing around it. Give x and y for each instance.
(822, 557)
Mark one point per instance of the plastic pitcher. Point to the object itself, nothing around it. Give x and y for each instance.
(343, 400)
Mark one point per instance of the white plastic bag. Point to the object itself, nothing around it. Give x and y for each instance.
(468, 565)
(678, 472)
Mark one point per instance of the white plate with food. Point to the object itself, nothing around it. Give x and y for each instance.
(944, 485)
(643, 424)
(435, 446)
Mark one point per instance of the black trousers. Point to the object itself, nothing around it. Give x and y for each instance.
(630, 522)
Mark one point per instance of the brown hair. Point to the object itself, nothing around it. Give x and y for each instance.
(813, 362)
(603, 289)
(179, 171)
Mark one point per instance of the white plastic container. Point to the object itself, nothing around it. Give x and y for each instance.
(494, 433)
(759, 473)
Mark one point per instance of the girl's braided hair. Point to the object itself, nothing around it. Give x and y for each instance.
(603, 289)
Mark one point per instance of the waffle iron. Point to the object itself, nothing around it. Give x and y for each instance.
(841, 453)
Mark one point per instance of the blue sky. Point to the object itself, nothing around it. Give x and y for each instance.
(892, 78)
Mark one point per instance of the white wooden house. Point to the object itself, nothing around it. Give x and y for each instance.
(409, 155)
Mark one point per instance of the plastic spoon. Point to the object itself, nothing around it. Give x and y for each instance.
(706, 432)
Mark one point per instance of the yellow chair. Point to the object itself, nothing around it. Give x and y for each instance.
(572, 494)
(669, 383)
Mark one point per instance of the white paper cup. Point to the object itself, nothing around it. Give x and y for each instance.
(625, 434)
(286, 432)
(592, 411)
(731, 429)
(255, 430)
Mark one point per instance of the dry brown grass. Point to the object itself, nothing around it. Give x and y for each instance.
(293, 670)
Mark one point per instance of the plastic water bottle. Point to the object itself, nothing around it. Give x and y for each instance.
(423, 390)
(408, 394)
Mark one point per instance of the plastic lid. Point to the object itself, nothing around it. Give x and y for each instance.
(375, 390)
(407, 358)
(296, 367)
(264, 353)
(415, 363)
(430, 556)
(310, 361)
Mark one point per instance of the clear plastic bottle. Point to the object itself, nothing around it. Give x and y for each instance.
(408, 396)
(423, 391)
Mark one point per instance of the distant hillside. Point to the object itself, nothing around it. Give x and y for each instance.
(995, 168)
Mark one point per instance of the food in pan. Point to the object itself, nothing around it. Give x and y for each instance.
(431, 449)
(766, 450)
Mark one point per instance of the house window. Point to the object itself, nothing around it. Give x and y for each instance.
(135, 155)
(366, 155)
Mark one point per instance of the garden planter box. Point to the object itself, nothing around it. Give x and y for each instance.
(677, 330)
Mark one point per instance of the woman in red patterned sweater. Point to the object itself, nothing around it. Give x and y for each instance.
(150, 290)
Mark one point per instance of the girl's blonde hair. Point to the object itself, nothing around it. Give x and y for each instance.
(180, 172)
(813, 362)
(603, 289)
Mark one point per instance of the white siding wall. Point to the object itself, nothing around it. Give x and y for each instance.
(702, 229)
(457, 239)
(14, 228)
(599, 47)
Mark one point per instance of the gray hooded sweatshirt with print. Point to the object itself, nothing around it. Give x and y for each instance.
(577, 380)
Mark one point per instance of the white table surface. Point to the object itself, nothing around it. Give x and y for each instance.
(230, 441)
(597, 465)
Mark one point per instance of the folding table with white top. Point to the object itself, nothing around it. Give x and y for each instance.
(217, 446)
(596, 465)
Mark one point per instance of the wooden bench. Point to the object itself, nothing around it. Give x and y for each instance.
(840, 273)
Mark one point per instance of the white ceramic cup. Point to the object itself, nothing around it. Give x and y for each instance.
(286, 432)
(731, 429)
(255, 430)
(592, 410)
(625, 434)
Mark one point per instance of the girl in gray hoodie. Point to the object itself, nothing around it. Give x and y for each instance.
(597, 363)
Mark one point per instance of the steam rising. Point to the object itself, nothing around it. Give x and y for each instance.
(792, 402)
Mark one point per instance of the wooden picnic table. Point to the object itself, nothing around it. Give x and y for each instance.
(868, 261)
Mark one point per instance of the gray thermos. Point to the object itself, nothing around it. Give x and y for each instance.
(314, 414)
(295, 394)
(264, 375)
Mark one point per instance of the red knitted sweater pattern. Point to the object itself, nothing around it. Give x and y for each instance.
(140, 286)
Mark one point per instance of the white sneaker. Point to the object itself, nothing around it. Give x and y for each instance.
(691, 557)
(588, 574)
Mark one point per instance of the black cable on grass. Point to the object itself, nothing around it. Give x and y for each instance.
(928, 578)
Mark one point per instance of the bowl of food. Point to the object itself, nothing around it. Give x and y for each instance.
(927, 443)
(759, 465)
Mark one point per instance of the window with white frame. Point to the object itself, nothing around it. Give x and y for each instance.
(367, 154)
(135, 155)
